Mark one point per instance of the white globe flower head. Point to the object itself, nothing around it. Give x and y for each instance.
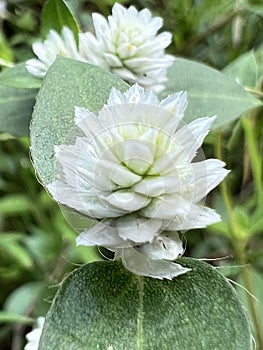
(132, 171)
(127, 44)
(33, 337)
(55, 45)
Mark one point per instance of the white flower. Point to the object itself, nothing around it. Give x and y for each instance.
(127, 44)
(47, 51)
(33, 337)
(132, 171)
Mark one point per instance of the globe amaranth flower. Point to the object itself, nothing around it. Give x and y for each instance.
(132, 171)
(55, 44)
(127, 44)
(33, 337)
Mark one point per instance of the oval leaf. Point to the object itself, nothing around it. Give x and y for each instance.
(55, 15)
(19, 77)
(104, 306)
(244, 69)
(68, 83)
(16, 107)
(209, 92)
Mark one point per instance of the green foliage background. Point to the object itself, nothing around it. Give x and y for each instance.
(37, 246)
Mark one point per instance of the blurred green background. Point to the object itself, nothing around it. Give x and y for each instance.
(37, 246)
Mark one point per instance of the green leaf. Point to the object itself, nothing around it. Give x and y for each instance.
(6, 53)
(55, 15)
(10, 244)
(19, 77)
(209, 92)
(104, 306)
(244, 69)
(23, 297)
(68, 83)
(14, 204)
(16, 107)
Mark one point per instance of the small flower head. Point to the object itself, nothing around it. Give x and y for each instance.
(132, 171)
(47, 51)
(33, 337)
(127, 44)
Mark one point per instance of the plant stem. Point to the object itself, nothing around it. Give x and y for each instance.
(254, 156)
(241, 256)
(239, 246)
(254, 91)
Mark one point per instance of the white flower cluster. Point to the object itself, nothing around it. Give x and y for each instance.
(33, 337)
(55, 45)
(126, 44)
(133, 172)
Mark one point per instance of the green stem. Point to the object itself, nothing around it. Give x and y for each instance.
(254, 91)
(239, 245)
(254, 156)
(241, 256)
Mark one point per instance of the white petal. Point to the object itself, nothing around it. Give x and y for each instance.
(137, 156)
(140, 264)
(166, 207)
(118, 174)
(191, 137)
(87, 122)
(102, 234)
(126, 200)
(125, 74)
(208, 174)
(82, 201)
(33, 337)
(165, 246)
(112, 60)
(197, 217)
(154, 186)
(175, 104)
(36, 68)
(100, 24)
(137, 229)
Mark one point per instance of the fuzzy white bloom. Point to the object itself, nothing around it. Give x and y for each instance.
(132, 171)
(33, 337)
(63, 45)
(127, 44)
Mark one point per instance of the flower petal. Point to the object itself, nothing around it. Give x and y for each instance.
(196, 217)
(102, 234)
(82, 201)
(166, 246)
(126, 200)
(208, 174)
(191, 137)
(142, 265)
(137, 229)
